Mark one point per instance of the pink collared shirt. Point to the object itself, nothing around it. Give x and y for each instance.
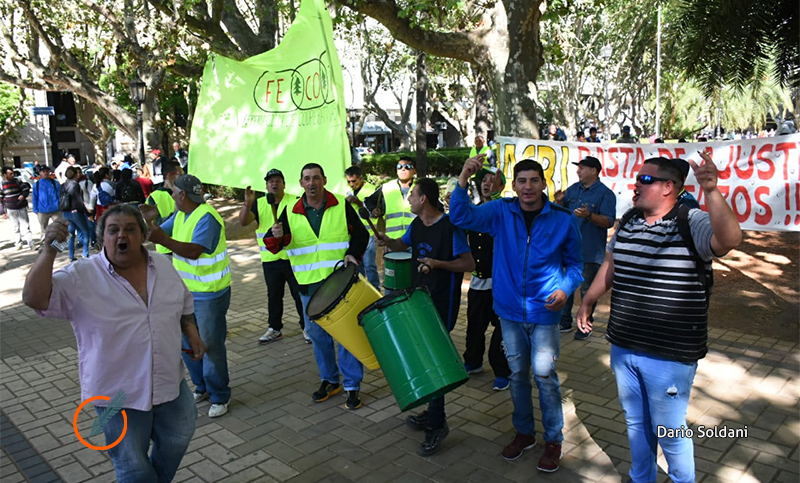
(123, 343)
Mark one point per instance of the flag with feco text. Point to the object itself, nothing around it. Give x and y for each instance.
(280, 109)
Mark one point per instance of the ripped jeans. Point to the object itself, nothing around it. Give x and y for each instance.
(536, 345)
(654, 392)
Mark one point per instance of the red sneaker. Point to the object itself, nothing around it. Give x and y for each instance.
(549, 460)
(520, 443)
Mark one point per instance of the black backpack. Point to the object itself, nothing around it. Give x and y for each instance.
(704, 274)
(127, 193)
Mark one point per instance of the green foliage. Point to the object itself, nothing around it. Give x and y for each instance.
(441, 162)
(9, 104)
(219, 191)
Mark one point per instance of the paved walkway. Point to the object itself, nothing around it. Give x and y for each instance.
(274, 432)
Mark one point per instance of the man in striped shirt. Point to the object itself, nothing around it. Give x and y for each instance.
(659, 308)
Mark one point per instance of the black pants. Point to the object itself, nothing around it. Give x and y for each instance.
(277, 274)
(479, 314)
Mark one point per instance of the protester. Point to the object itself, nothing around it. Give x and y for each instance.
(181, 155)
(531, 280)
(276, 267)
(13, 198)
(658, 264)
(313, 254)
(359, 190)
(162, 199)
(44, 197)
(102, 195)
(145, 182)
(592, 135)
(480, 148)
(196, 235)
(390, 200)
(626, 137)
(440, 255)
(128, 190)
(128, 329)
(554, 133)
(74, 211)
(595, 210)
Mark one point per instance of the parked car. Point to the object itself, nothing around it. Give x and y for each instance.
(362, 150)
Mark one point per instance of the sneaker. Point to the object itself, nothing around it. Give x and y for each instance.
(200, 396)
(549, 460)
(418, 422)
(217, 410)
(306, 337)
(433, 440)
(326, 390)
(565, 327)
(582, 335)
(473, 369)
(501, 384)
(270, 336)
(353, 401)
(520, 443)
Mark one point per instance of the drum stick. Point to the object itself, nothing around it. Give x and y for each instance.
(364, 213)
(271, 201)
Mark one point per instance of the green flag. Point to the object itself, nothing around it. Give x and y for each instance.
(280, 109)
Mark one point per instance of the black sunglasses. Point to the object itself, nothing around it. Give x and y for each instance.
(405, 166)
(647, 179)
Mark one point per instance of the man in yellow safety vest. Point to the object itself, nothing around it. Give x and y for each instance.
(196, 235)
(391, 199)
(161, 198)
(319, 231)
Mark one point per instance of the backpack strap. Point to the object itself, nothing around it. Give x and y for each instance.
(627, 217)
(705, 276)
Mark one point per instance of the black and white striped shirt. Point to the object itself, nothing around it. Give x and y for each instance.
(658, 304)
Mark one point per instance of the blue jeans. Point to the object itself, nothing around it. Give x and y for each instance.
(79, 222)
(589, 272)
(170, 426)
(655, 391)
(325, 354)
(369, 267)
(534, 345)
(211, 373)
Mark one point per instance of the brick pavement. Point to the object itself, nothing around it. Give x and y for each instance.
(274, 432)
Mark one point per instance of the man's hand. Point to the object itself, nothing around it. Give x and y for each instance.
(249, 196)
(471, 166)
(354, 199)
(705, 173)
(198, 347)
(426, 264)
(58, 229)
(20, 197)
(558, 197)
(348, 259)
(556, 300)
(582, 212)
(584, 324)
(5, 217)
(381, 238)
(377, 213)
(156, 234)
(149, 213)
(277, 230)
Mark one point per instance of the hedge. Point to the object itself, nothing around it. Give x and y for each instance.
(441, 162)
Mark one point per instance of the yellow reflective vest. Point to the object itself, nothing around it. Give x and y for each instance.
(210, 272)
(398, 210)
(314, 257)
(166, 207)
(485, 149)
(265, 222)
(366, 190)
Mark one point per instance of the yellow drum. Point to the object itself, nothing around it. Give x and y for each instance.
(335, 307)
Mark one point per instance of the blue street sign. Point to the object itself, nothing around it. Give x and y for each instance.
(43, 111)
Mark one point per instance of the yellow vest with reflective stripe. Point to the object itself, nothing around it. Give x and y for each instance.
(314, 258)
(166, 207)
(398, 210)
(485, 149)
(265, 222)
(365, 191)
(210, 272)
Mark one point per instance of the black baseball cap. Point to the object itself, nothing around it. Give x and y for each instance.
(274, 172)
(590, 162)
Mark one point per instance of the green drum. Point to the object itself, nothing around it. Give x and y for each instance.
(413, 347)
(397, 269)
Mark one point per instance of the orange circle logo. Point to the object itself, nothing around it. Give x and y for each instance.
(86, 443)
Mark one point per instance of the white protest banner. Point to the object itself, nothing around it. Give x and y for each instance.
(759, 178)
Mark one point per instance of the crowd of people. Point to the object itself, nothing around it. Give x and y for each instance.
(527, 255)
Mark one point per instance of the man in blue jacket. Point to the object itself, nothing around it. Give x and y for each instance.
(45, 197)
(538, 259)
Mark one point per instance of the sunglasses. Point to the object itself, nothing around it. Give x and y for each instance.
(647, 179)
(405, 166)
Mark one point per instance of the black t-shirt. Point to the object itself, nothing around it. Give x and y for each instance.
(529, 217)
(436, 241)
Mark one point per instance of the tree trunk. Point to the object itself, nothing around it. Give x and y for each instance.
(422, 116)
(482, 107)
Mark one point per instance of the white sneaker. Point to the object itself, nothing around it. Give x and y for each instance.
(270, 336)
(306, 337)
(217, 410)
(200, 396)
